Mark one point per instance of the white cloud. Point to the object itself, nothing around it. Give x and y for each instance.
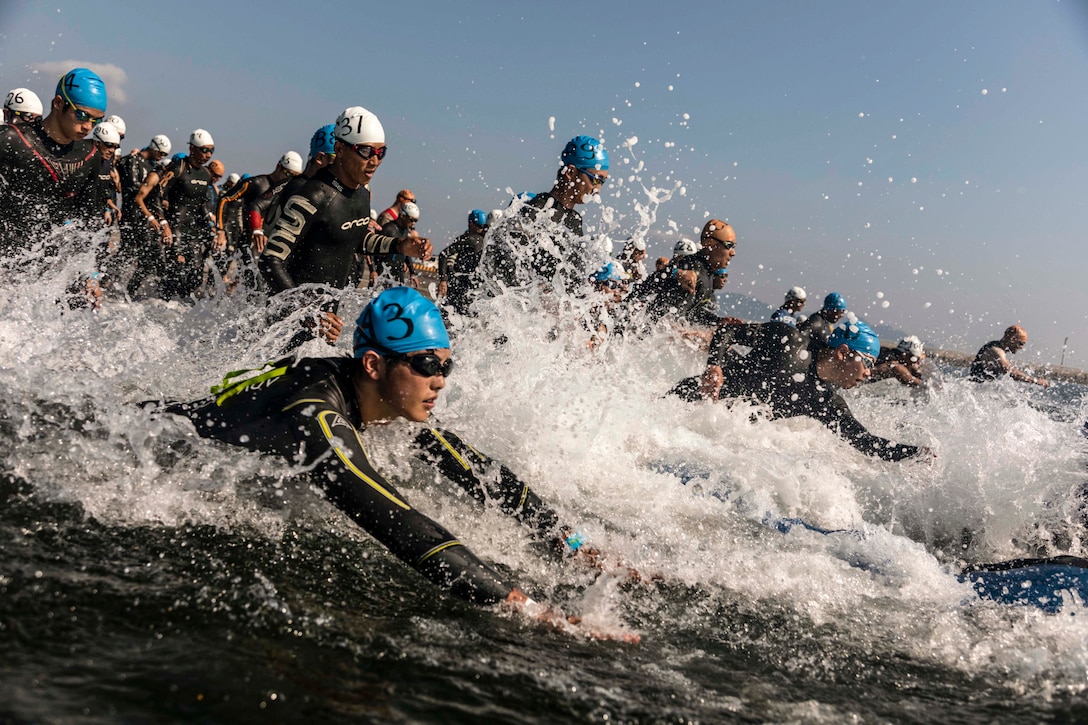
(114, 76)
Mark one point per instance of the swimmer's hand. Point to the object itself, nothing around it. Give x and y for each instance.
(612, 565)
(415, 247)
(328, 326)
(517, 601)
(710, 384)
(925, 454)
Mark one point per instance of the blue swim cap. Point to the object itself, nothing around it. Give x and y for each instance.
(834, 301)
(477, 217)
(610, 272)
(856, 334)
(82, 87)
(585, 152)
(400, 320)
(182, 155)
(323, 140)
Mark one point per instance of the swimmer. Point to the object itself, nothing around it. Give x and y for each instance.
(790, 311)
(311, 411)
(315, 233)
(457, 281)
(819, 326)
(45, 165)
(902, 362)
(781, 372)
(992, 363)
(543, 243)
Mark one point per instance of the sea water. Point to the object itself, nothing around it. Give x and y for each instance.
(148, 575)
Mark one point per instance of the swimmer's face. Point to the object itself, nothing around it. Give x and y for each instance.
(721, 249)
(356, 170)
(74, 122)
(846, 369)
(409, 394)
(834, 315)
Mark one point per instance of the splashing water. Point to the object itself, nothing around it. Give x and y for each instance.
(149, 574)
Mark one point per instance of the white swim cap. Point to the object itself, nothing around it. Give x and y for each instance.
(116, 121)
(160, 143)
(410, 210)
(684, 248)
(107, 133)
(356, 125)
(912, 346)
(201, 139)
(292, 162)
(23, 100)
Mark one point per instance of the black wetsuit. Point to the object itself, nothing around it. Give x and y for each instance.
(788, 316)
(314, 233)
(457, 268)
(780, 371)
(139, 240)
(40, 182)
(665, 296)
(396, 266)
(818, 328)
(531, 246)
(92, 202)
(186, 195)
(247, 192)
(306, 412)
(133, 171)
(986, 366)
(230, 218)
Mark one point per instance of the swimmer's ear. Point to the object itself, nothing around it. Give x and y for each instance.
(371, 364)
(842, 352)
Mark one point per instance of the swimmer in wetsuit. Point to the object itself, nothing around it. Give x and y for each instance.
(686, 291)
(45, 165)
(782, 372)
(820, 325)
(902, 362)
(310, 411)
(790, 311)
(314, 234)
(991, 362)
(255, 193)
(544, 239)
(457, 280)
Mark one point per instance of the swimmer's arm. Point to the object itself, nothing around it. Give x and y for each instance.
(905, 376)
(150, 183)
(1017, 374)
(224, 200)
(485, 479)
(375, 243)
(726, 335)
(345, 473)
(837, 417)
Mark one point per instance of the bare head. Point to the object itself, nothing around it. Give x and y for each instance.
(1015, 338)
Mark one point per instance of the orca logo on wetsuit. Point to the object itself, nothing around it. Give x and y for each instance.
(355, 223)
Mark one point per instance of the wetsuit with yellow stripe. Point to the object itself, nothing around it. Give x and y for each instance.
(305, 410)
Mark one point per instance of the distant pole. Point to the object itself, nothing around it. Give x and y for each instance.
(1064, 344)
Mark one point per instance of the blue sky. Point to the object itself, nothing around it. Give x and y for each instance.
(927, 155)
